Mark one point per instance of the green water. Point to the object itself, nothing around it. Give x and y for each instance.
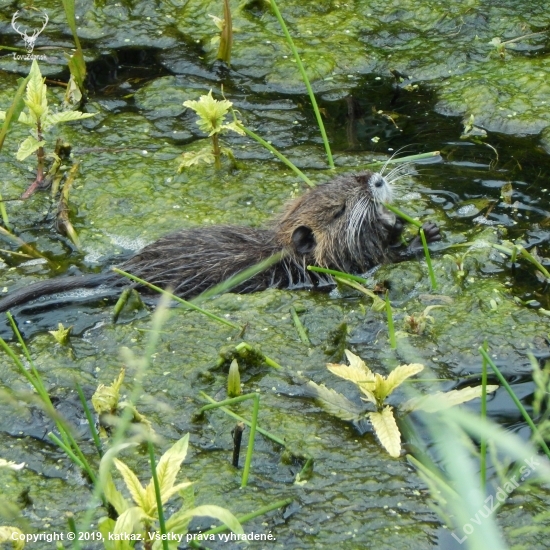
(145, 60)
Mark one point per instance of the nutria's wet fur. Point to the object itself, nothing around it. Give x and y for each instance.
(340, 225)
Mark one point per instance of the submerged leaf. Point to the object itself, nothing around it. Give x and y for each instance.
(444, 400)
(334, 403)
(387, 431)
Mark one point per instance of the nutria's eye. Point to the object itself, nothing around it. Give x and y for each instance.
(379, 183)
(339, 212)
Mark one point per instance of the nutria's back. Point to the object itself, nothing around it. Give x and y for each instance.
(340, 225)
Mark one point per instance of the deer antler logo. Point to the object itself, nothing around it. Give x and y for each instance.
(29, 40)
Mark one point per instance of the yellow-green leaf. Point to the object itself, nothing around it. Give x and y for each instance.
(196, 157)
(357, 371)
(387, 431)
(333, 402)
(11, 465)
(181, 518)
(167, 470)
(211, 112)
(28, 147)
(62, 334)
(132, 482)
(127, 523)
(51, 119)
(167, 495)
(400, 374)
(36, 92)
(105, 398)
(6, 534)
(444, 400)
(113, 495)
(234, 380)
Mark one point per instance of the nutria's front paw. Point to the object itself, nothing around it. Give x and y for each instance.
(431, 231)
(432, 234)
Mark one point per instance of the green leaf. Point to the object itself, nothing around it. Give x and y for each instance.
(196, 157)
(28, 147)
(11, 465)
(357, 371)
(6, 536)
(387, 431)
(211, 112)
(176, 489)
(334, 403)
(113, 495)
(14, 112)
(36, 99)
(127, 523)
(234, 380)
(132, 482)
(167, 470)
(385, 386)
(105, 398)
(180, 519)
(106, 527)
(62, 334)
(106, 481)
(64, 116)
(444, 400)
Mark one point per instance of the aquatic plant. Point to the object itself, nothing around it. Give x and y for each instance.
(376, 388)
(41, 119)
(142, 516)
(226, 34)
(212, 113)
(76, 63)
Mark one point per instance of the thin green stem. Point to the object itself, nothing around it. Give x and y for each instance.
(230, 413)
(253, 423)
(90, 420)
(400, 160)
(391, 329)
(299, 327)
(401, 214)
(251, 437)
(337, 273)
(428, 259)
(536, 434)
(306, 81)
(483, 442)
(178, 299)
(160, 508)
(272, 149)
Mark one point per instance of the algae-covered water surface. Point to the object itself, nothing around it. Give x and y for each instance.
(469, 80)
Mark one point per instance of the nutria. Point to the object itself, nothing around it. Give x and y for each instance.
(340, 225)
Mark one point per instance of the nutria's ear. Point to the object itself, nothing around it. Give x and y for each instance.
(303, 239)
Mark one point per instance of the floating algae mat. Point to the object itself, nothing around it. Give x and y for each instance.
(468, 79)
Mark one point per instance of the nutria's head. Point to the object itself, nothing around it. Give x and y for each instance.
(342, 224)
